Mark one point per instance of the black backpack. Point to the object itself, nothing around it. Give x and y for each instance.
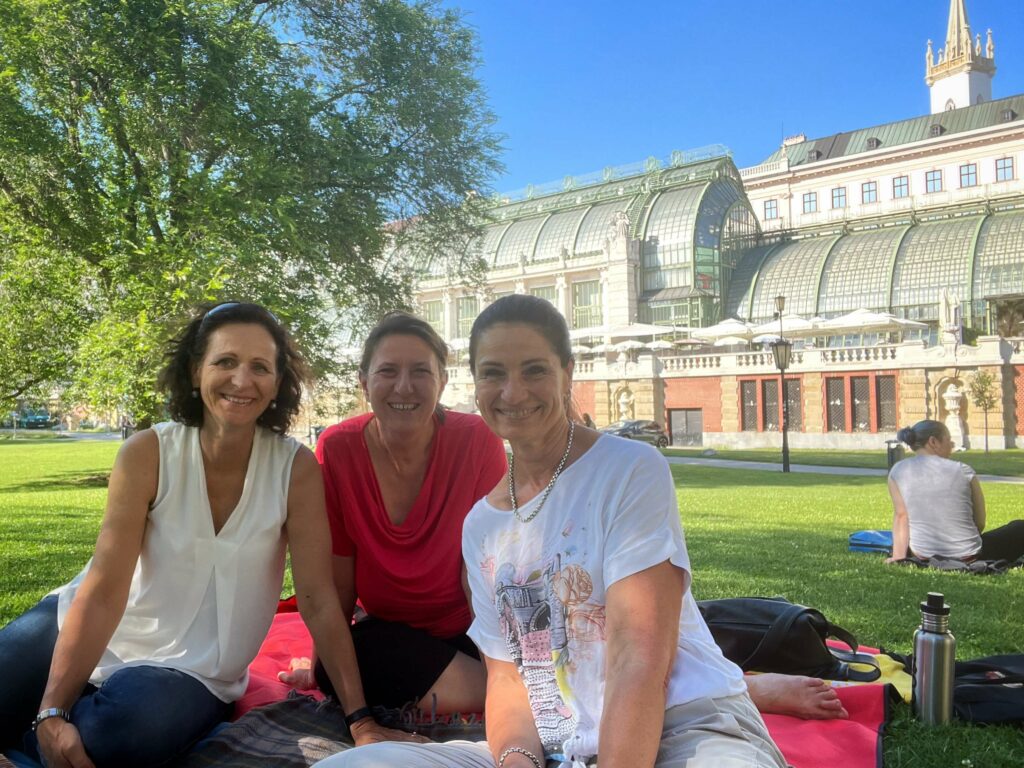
(771, 634)
(990, 689)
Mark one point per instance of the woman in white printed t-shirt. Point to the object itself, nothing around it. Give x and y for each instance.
(580, 588)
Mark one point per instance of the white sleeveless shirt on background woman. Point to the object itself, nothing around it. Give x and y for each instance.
(201, 602)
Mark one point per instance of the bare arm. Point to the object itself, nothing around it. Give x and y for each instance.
(100, 601)
(309, 543)
(642, 632)
(508, 717)
(900, 525)
(978, 503)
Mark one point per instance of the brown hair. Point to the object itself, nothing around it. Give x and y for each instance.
(188, 347)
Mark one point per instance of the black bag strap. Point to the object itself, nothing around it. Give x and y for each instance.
(846, 672)
(843, 635)
(776, 634)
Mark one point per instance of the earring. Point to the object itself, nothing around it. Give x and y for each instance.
(195, 393)
(273, 405)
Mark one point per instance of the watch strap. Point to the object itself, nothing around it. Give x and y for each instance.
(46, 714)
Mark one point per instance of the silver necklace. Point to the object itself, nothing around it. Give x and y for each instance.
(547, 490)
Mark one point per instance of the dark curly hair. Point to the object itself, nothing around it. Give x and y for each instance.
(919, 434)
(189, 346)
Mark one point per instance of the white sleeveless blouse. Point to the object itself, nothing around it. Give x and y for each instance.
(201, 602)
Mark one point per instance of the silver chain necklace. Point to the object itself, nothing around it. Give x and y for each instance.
(547, 490)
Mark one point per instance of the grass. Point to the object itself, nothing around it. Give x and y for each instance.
(1009, 462)
(749, 533)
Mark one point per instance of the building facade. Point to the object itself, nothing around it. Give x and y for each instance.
(921, 218)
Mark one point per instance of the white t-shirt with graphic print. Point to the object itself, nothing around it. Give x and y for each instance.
(539, 588)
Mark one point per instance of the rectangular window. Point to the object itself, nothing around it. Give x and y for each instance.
(770, 403)
(835, 399)
(969, 175)
(432, 314)
(795, 405)
(586, 304)
(466, 310)
(900, 187)
(544, 292)
(748, 406)
(869, 192)
(933, 181)
(861, 391)
(771, 209)
(810, 202)
(885, 402)
(839, 197)
(1004, 169)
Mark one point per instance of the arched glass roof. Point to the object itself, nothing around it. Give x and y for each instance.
(933, 256)
(596, 227)
(557, 234)
(668, 239)
(517, 245)
(999, 264)
(793, 272)
(488, 242)
(858, 272)
(737, 304)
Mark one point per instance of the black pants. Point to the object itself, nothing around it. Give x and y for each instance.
(1003, 543)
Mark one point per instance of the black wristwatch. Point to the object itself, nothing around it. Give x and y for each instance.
(46, 714)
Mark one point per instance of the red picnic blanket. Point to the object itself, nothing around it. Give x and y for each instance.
(852, 743)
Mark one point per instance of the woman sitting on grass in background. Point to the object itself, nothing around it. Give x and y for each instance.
(938, 506)
(157, 632)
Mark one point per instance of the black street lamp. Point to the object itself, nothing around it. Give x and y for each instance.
(782, 350)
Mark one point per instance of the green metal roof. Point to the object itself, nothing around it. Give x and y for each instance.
(891, 135)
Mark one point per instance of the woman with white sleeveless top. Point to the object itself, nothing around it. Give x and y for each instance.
(157, 632)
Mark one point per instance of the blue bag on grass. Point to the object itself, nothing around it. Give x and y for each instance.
(871, 541)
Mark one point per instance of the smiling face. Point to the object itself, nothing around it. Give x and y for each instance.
(521, 386)
(403, 382)
(237, 377)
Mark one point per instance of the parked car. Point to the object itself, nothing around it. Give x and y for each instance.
(637, 429)
(35, 420)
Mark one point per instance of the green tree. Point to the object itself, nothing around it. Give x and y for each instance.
(159, 153)
(982, 390)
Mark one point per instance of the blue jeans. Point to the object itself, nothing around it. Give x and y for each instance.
(140, 716)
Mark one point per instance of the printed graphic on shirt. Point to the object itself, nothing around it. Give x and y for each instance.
(549, 627)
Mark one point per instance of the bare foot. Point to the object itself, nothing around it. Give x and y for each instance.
(807, 697)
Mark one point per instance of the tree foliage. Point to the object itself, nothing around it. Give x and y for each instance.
(982, 390)
(159, 153)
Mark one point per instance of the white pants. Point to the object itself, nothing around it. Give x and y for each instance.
(706, 733)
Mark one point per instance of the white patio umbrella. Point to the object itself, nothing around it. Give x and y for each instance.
(766, 338)
(659, 344)
(601, 348)
(793, 326)
(727, 341)
(866, 321)
(726, 328)
(458, 345)
(628, 345)
(638, 329)
(584, 333)
(579, 349)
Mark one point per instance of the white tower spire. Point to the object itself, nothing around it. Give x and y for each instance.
(962, 74)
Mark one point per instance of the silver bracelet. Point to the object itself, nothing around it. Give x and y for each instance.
(519, 751)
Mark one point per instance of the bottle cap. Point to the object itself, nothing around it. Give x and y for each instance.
(935, 604)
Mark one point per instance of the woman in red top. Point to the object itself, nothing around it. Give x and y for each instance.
(399, 484)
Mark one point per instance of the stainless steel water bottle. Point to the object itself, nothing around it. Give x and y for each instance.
(934, 654)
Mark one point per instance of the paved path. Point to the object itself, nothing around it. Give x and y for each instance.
(768, 466)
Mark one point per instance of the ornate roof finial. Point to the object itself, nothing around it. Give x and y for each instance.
(990, 48)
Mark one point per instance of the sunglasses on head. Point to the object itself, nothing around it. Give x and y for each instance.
(231, 304)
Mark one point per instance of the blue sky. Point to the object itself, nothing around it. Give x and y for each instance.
(581, 84)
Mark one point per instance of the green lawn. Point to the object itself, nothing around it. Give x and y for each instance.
(749, 533)
(1009, 462)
